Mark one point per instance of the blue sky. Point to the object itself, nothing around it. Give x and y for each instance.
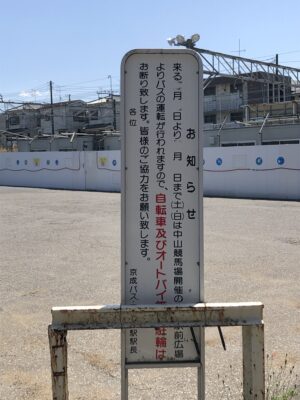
(78, 44)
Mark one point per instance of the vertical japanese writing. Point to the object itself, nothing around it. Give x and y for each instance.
(133, 341)
(138, 117)
(160, 343)
(177, 100)
(144, 158)
(179, 342)
(160, 205)
(161, 247)
(133, 284)
(161, 281)
(160, 125)
(177, 216)
(177, 204)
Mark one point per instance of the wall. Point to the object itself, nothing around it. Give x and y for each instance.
(112, 142)
(275, 132)
(105, 114)
(56, 144)
(28, 120)
(90, 170)
(271, 172)
(63, 116)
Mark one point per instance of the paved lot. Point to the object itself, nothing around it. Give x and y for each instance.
(63, 248)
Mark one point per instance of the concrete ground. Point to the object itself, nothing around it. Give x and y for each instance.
(63, 248)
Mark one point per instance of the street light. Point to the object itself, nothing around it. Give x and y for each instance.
(180, 40)
(111, 91)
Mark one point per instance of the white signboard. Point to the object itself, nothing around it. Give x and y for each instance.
(162, 197)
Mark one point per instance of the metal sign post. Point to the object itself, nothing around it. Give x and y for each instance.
(162, 223)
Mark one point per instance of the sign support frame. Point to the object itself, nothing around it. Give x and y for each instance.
(248, 315)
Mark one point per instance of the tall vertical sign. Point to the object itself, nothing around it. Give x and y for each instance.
(162, 243)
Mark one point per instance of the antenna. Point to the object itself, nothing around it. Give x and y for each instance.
(239, 51)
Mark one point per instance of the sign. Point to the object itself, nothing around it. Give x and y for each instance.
(162, 198)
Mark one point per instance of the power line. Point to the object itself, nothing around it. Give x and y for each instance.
(42, 91)
(280, 54)
(93, 80)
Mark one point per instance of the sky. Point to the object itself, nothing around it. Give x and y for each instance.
(79, 44)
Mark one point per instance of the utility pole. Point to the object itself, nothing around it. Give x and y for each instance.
(276, 62)
(114, 114)
(52, 114)
(277, 78)
(111, 91)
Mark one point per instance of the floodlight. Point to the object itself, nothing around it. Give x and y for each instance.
(180, 39)
(195, 37)
(171, 41)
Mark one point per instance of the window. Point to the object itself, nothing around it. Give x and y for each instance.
(236, 87)
(271, 142)
(210, 119)
(246, 144)
(210, 91)
(93, 115)
(287, 141)
(276, 93)
(236, 116)
(237, 144)
(15, 120)
(38, 150)
(228, 144)
(79, 116)
(295, 141)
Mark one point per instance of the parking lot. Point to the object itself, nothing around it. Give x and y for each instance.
(62, 248)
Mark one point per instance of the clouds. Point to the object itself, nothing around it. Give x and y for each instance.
(31, 93)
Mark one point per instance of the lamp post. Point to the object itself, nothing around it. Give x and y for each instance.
(110, 80)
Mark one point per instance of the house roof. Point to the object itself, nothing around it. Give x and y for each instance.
(25, 106)
(104, 100)
(63, 104)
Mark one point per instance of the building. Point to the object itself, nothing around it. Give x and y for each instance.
(232, 99)
(243, 112)
(103, 114)
(79, 116)
(67, 116)
(24, 119)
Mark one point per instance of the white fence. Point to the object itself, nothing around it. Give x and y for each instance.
(85, 170)
(271, 172)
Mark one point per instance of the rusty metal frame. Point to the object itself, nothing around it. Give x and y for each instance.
(248, 315)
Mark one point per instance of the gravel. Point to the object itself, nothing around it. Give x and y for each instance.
(62, 248)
